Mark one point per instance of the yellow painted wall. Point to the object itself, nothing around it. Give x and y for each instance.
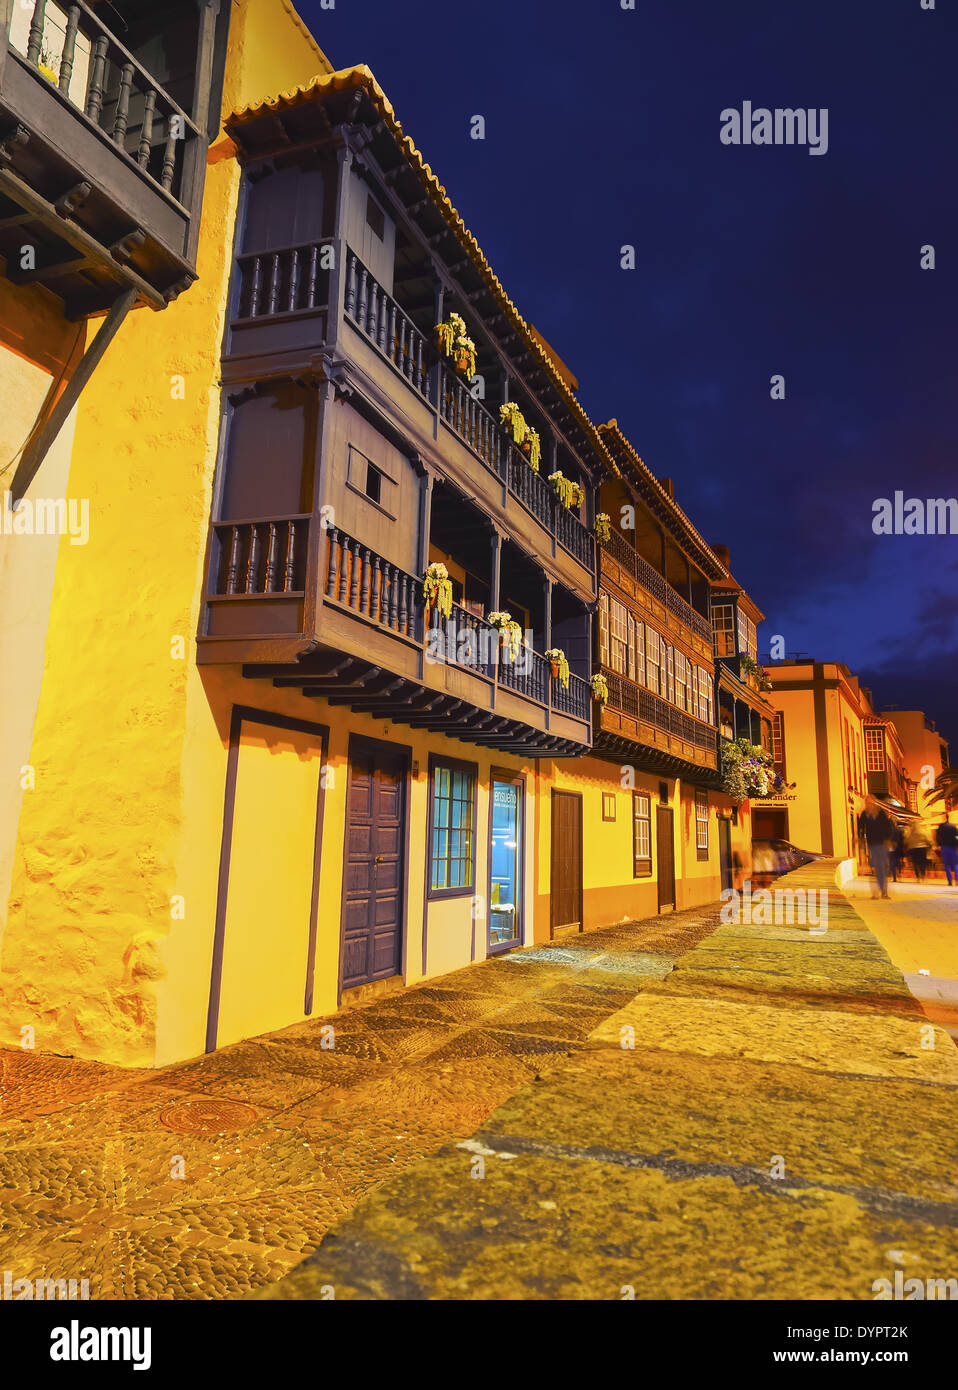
(126, 747)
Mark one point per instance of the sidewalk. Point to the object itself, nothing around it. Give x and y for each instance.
(214, 1177)
(784, 1127)
(918, 927)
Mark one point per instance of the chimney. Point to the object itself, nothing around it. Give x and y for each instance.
(669, 486)
(721, 554)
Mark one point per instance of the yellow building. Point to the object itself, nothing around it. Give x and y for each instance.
(832, 744)
(310, 715)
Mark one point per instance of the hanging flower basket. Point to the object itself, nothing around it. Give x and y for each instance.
(465, 356)
(751, 668)
(556, 658)
(748, 771)
(437, 590)
(602, 526)
(532, 445)
(514, 421)
(570, 494)
(507, 627)
(600, 688)
(449, 332)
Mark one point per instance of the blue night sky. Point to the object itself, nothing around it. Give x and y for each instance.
(602, 128)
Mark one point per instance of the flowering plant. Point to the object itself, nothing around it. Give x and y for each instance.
(751, 668)
(437, 589)
(602, 526)
(535, 447)
(747, 770)
(465, 354)
(449, 332)
(600, 688)
(45, 63)
(515, 422)
(560, 665)
(506, 623)
(570, 494)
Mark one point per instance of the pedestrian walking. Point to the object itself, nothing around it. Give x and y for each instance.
(946, 837)
(877, 829)
(917, 844)
(896, 854)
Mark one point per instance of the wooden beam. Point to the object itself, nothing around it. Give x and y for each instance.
(36, 451)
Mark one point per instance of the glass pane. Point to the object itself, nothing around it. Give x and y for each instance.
(504, 906)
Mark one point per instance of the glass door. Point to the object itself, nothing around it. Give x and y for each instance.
(505, 863)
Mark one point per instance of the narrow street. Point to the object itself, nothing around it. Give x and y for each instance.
(674, 1107)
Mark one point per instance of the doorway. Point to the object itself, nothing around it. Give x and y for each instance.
(374, 867)
(566, 861)
(725, 852)
(665, 856)
(506, 879)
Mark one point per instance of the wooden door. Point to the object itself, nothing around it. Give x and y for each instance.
(725, 852)
(566, 860)
(375, 859)
(665, 856)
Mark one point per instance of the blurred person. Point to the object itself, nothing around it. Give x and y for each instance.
(877, 829)
(896, 855)
(946, 837)
(917, 844)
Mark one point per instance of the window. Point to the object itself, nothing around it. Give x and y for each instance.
(618, 637)
(375, 217)
(608, 805)
(723, 624)
(652, 658)
(702, 824)
(452, 841)
(747, 636)
(671, 673)
(706, 702)
(374, 480)
(603, 629)
(640, 653)
(875, 750)
(632, 626)
(641, 835)
(778, 742)
(680, 680)
(693, 689)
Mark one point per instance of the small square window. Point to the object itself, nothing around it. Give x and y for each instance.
(374, 483)
(375, 217)
(608, 806)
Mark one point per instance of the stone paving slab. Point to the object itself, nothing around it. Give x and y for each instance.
(763, 1147)
(93, 1185)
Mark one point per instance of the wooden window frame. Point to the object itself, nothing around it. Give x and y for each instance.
(608, 806)
(701, 825)
(641, 865)
(437, 760)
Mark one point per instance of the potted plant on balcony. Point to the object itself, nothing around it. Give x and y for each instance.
(602, 526)
(556, 658)
(45, 66)
(747, 771)
(507, 626)
(600, 688)
(454, 342)
(437, 590)
(570, 494)
(512, 418)
(751, 668)
(532, 448)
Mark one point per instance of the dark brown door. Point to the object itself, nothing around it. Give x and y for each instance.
(725, 852)
(566, 860)
(665, 856)
(374, 867)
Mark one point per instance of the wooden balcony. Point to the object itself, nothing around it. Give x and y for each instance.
(101, 165)
(624, 568)
(638, 727)
(314, 608)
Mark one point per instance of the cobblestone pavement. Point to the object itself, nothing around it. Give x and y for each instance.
(918, 926)
(783, 1128)
(95, 1185)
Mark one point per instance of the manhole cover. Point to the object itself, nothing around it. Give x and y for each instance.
(207, 1116)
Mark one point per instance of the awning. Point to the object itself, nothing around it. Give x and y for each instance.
(897, 810)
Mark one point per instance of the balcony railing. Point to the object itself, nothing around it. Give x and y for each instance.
(103, 80)
(650, 579)
(373, 588)
(388, 327)
(259, 557)
(642, 704)
(392, 332)
(287, 281)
